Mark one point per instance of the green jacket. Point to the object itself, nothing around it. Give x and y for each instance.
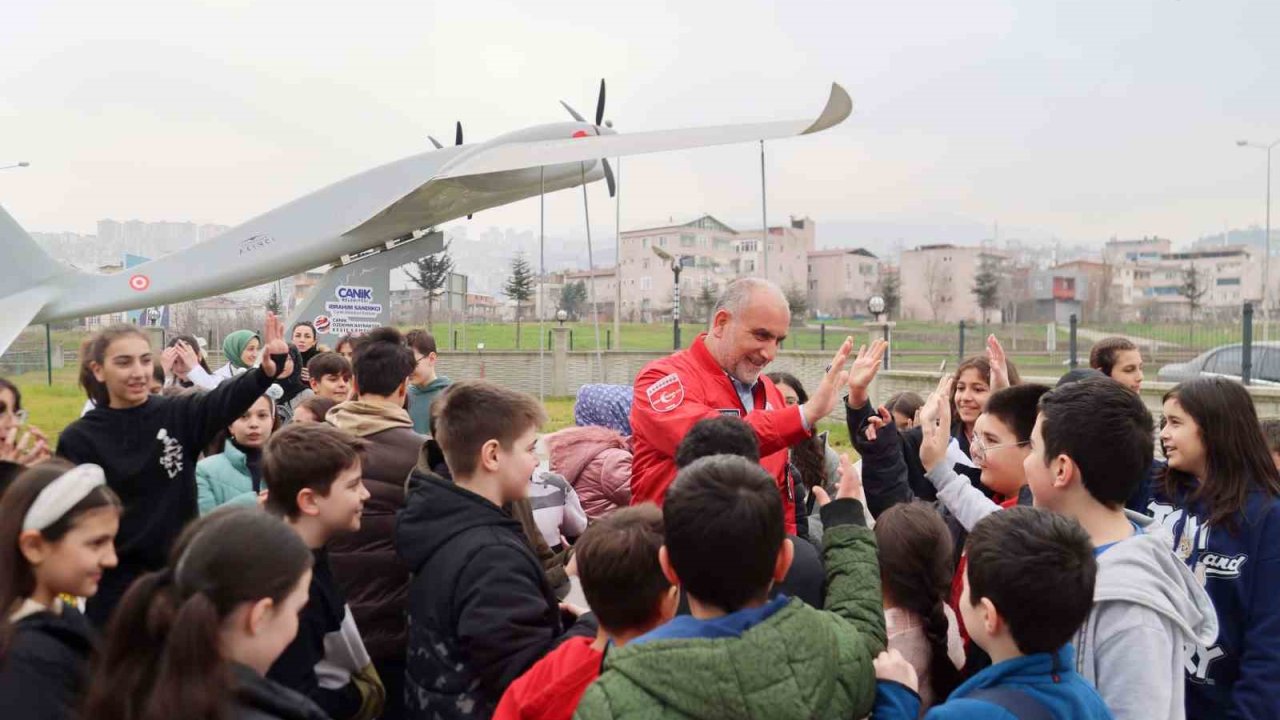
(420, 399)
(797, 663)
(224, 478)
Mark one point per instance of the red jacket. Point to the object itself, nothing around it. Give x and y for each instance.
(552, 687)
(674, 393)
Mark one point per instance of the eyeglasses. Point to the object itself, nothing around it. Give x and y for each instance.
(21, 415)
(978, 450)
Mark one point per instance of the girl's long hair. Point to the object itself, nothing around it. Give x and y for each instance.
(17, 581)
(162, 658)
(94, 350)
(808, 454)
(1237, 460)
(915, 569)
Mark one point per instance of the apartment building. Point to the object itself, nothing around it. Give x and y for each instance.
(841, 281)
(937, 282)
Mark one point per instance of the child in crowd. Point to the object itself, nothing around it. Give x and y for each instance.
(1022, 607)
(313, 481)
(313, 410)
(811, 462)
(301, 349)
(1271, 432)
(57, 527)
(1119, 359)
(20, 444)
(240, 348)
(903, 406)
(1220, 500)
(195, 640)
(346, 346)
(188, 367)
(148, 445)
(330, 376)
(740, 654)
(730, 435)
(915, 576)
(234, 475)
(1147, 606)
(624, 585)
(596, 461)
(556, 509)
(480, 608)
(365, 564)
(425, 384)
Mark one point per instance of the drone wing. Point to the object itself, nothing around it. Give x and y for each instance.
(519, 155)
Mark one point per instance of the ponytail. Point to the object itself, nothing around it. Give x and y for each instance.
(94, 350)
(163, 657)
(915, 571)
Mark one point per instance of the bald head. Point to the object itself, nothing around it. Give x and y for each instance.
(750, 321)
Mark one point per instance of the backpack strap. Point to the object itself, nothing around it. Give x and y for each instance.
(1019, 702)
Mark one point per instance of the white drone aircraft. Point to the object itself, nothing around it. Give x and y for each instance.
(361, 212)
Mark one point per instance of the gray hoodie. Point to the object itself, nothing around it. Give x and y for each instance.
(1147, 609)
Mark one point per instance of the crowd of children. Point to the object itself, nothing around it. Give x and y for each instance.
(347, 534)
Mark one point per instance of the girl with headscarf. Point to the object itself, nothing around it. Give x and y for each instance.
(241, 351)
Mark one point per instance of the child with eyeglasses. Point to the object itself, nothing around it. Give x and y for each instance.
(20, 444)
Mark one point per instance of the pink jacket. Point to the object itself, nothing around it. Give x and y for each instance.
(597, 463)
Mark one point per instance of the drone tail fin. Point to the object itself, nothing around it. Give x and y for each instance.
(26, 277)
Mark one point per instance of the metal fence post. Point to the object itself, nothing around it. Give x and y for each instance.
(1072, 347)
(822, 336)
(1246, 345)
(608, 339)
(961, 356)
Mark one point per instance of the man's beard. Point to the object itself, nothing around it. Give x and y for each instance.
(746, 372)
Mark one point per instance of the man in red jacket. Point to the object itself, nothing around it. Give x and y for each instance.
(720, 374)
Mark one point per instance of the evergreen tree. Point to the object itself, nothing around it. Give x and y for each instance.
(707, 300)
(799, 303)
(891, 291)
(986, 285)
(572, 297)
(431, 273)
(519, 287)
(1193, 289)
(273, 303)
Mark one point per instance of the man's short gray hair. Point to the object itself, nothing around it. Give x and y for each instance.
(738, 293)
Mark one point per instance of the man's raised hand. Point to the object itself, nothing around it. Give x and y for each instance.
(823, 400)
(273, 344)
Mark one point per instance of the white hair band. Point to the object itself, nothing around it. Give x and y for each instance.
(61, 495)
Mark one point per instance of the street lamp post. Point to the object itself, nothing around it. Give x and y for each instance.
(675, 306)
(1266, 260)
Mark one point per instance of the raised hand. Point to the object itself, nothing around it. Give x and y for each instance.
(875, 422)
(850, 485)
(935, 424)
(891, 666)
(823, 400)
(273, 344)
(999, 364)
(29, 449)
(188, 359)
(168, 359)
(863, 371)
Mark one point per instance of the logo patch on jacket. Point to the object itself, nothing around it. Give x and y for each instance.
(1221, 566)
(666, 394)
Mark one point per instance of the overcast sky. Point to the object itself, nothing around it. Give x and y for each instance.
(1080, 119)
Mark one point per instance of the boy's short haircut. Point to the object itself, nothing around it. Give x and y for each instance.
(305, 456)
(317, 406)
(1038, 569)
(1271, 431)
(905, 403)
(474, 412)
(1103, 355)
(724, 526)
(724, 435)
(1016, 407)
(329, 363)
(382, 362)
(618, 564)
(422, 341)
(1106, 430)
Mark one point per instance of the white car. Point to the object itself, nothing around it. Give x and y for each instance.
(1225, 360)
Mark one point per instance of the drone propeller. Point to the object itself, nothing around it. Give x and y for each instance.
(608, 171)
(458, 134)
(435, 142)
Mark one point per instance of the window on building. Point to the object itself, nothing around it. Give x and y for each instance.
(687, 241)
(646, 283)
(748, 266)
(1229, 281)
(644, 243)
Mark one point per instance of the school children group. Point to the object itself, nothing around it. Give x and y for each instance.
(348, 535)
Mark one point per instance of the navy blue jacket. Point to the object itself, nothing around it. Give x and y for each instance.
(1046, 678)
(1239, 677)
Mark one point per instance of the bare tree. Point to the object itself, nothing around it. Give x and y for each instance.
(431, 273)
(937, 288)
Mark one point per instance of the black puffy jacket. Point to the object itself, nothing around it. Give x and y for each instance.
(480, 608)
(257, 698)
(45, 670)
